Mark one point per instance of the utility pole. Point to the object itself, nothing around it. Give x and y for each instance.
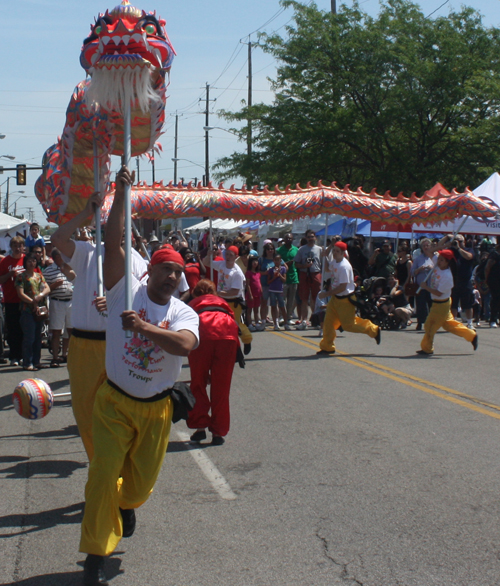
(175, 146)
(7, 197)
(249, 134)
(138, 169)
(334, 6)
(206, 179)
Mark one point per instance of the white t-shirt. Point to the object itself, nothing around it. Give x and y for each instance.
(182, 288)
(443, 282)
(342, 273)
(84, 262)
(229, 278)
(137, 365)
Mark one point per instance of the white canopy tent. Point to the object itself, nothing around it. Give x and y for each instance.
(10, 227)
(488, 191)
(218, 225)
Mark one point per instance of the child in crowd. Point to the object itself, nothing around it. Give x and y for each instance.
(318, 317)
(276, 277)
(35, 239)
(253, 293)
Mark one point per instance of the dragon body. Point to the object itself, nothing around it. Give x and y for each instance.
(127, 56)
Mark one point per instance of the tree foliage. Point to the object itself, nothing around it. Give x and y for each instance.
(395, 102)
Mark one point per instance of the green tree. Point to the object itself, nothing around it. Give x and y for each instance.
(395, 102)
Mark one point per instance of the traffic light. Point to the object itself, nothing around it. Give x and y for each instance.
(21, 174)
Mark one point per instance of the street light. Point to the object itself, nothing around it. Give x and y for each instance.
(15, 203)
(7, 157)
(208, 128)
(2, 136)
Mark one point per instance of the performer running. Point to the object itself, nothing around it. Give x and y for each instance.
(133, 408)
(439, 285)
(340, 311)
(87, 346)
(231, 287)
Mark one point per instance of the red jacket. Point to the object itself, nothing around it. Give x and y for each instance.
(215, 324)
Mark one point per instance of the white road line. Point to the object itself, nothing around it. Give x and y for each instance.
(209, 469)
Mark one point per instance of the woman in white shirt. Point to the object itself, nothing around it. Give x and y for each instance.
(439, 285)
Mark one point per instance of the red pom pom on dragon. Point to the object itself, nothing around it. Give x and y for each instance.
(128, 55)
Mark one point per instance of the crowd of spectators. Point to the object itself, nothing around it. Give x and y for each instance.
(281, 285)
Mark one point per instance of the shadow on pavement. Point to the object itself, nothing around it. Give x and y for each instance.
(39, 521)
(67, 578)
(68, 432)
(42, 468)
(174, 447)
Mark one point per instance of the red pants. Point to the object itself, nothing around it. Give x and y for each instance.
(214, 359)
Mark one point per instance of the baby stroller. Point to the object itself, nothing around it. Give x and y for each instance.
(371, 308)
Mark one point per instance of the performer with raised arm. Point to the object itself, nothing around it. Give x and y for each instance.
(87, 346)
(133, 408)
(340, 311)
(439, 285)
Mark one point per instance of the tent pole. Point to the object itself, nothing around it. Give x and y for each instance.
(127, 151)
(211, 244)
(98, 236)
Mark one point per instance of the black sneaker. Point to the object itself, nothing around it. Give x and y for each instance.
(325, 353)
(475, 342)
(218, 440)
(93, 571)
(424, 353)
(128, 521)
(198, 436)
(377, 337)
(246, 349)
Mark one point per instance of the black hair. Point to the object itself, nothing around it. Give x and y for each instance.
(29, 256)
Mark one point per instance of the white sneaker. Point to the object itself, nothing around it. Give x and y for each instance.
(320, 333)
(469, 325)
(493, 324)
(287, 327)
(14, 363)
(301, 326)
(277, 327)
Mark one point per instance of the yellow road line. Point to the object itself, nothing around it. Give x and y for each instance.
(400, 377)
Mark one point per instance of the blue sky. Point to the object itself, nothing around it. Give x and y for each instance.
(39, 67)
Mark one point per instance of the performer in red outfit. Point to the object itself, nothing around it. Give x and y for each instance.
(212, 361)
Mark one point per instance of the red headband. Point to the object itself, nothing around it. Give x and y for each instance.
(341, 245)
(447, 254)
(166, 254)
(234, 249)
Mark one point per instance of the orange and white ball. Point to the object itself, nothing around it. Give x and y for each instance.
(33, 398)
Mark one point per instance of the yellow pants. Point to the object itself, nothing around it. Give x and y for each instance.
(246, 336)
(87, 372)
(130, 439)
(440, 316)
(341, 312)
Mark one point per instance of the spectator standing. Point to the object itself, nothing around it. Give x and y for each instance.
(308, 262)
(10, 267)
(58, 276)
(462, 295)
(402, 269)
(35, 238)
(265, 263)
(288, 253)
(383, 260)
(492, 274)
(212, 361)
(253, 292)
(422, 265)
(479, 278)
(32, 291)
(276, 278)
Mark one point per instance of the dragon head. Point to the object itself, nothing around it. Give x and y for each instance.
(127, 37)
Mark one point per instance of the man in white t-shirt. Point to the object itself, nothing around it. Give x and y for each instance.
(87, 346)
(440, 285)
(133, 408)
(231, 287)
(340, 311)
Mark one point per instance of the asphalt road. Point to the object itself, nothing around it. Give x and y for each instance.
(373, 467)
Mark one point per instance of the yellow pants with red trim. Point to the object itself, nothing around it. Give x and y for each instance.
(130, 440)
(440, 316)
(87, 372)
(246, 336)
(341, 312)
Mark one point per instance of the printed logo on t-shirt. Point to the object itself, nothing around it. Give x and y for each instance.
(142, 353)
